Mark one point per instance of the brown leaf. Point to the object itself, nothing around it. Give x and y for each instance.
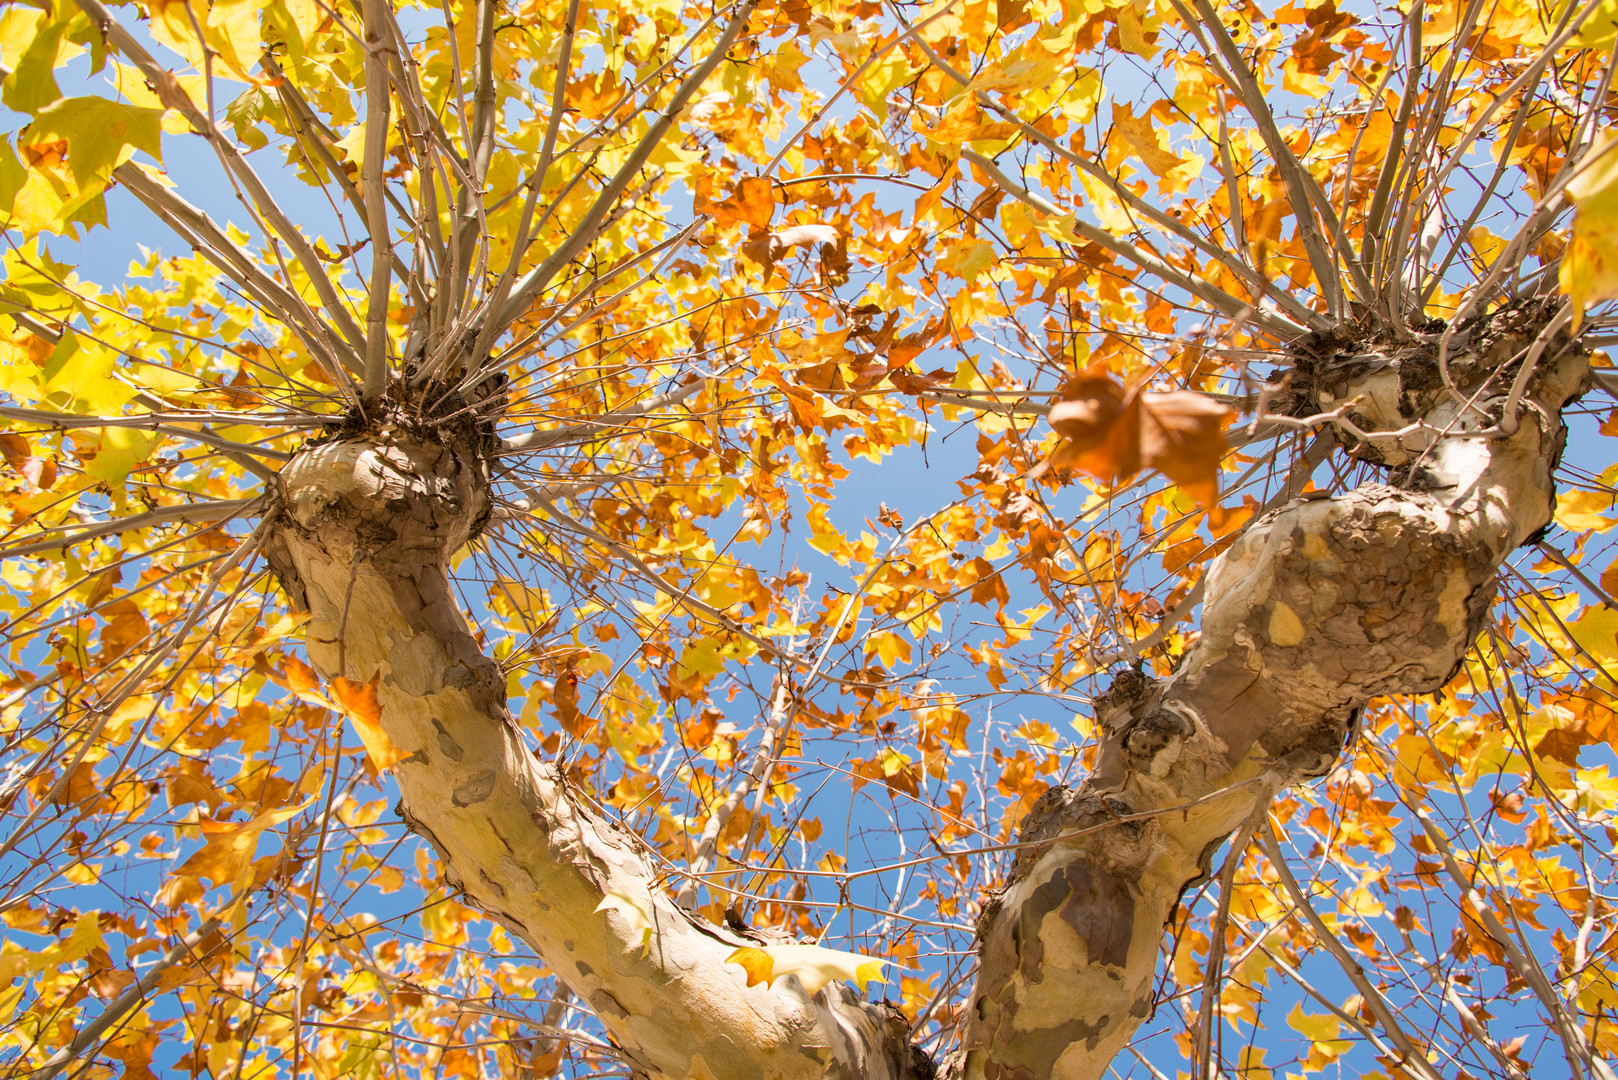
(109, 983)
(1010, 14)
(1100, 422)
(1183, 437)
(767, 248)
(566, 699)
(1112, 434)
(40, 472)
(907, 382)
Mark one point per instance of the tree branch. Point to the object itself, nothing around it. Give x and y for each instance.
(508, 830)
(1315, 609)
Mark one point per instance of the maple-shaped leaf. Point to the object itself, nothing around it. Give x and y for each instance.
(1144, 139)
(1590, 268)
(814, 966)
(227, 851)
(96, 132)
(1112, 433)
(753, 203)
(358, 701)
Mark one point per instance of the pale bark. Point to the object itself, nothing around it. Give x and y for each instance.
(364, 541)
(1317, 608)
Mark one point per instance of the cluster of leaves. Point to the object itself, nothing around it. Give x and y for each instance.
(1032, 256)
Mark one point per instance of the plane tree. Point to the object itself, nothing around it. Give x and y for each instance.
(456, 622)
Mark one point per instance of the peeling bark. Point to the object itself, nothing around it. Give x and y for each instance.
(364, 540)
(1316, 609)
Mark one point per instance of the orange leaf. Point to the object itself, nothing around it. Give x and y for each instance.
(1182, 435)
(227, 853)
(757, 963)
(565, 697)
(40, 472)
(1101, 424)
(358, 701)
(1142, 137)
(301, 678)
(753, 203)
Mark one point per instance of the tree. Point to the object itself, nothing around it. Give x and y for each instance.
(490, 354)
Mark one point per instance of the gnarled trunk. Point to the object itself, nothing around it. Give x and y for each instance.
(1313, 611)
(364, 540)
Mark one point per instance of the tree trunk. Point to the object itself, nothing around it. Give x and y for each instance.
(1316, 609)
(363, 540)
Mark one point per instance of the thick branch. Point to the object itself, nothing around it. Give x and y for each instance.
(364, 544)
(1317, 608)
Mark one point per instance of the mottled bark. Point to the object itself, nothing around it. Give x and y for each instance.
(1313, 611)
(364, 542)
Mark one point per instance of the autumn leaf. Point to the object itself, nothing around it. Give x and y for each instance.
(565, 697)
(97, 132)
(753, 203)
(1144, 139)
(1112, 433)
(813, 966)
(227, 851)
(1583, 511)
(1589, 270)
(769, 248)
(1183, 437)
(40, 472)
(358, 701)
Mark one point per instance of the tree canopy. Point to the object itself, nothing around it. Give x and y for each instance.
(853, 537)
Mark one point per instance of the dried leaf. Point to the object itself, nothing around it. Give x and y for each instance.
(1183, 437)
(770, 247)
(1112, 434)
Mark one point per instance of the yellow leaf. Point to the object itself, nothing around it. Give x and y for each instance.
(84, 377)
(1590, 266)
(1251, 1064)
(813, 966)
(1147, 142)
(758, 964)
(232, 27)
(1581, 511)
(121, 450)
(891, 648)
(227, 853)
(1109, 209)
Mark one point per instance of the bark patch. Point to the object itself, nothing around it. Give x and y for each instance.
(474, 790)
